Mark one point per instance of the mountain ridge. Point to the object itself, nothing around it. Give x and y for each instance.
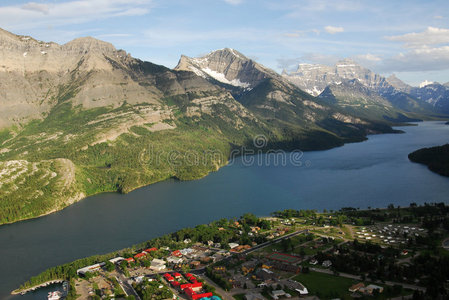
(117, 119)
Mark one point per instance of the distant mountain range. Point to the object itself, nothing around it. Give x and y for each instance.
(356, 85)
(84, 118)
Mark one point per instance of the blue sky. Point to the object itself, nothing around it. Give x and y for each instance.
(409, 38)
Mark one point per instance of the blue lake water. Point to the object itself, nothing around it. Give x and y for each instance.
(373, 173)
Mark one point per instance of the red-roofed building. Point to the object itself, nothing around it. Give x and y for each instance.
(130, 260)
(150, 250)
(175, 283)
(191, 278)
(140, 255)
(199, 296)
(194, 286)
(176, 253)
(177, 275)
(168, 277)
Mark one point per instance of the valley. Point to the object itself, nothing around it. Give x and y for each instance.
(106, 114)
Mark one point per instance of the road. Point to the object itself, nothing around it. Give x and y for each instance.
(123, 281)
(356, 277)
(218, 289)
(274, 241)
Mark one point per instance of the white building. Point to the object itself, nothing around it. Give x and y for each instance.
(279, 293)
(116, 260)
(174, 259)
(233, 245)
(91, 268)
(157, 265)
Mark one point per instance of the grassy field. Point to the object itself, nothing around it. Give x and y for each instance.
(335, 287)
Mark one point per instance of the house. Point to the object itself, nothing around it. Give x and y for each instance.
(233, 245)
(157, 265)
(241, 248)
(187, 251)
(195, 263)
(296, 286)
(354, 288)
(149, 250)
(370, 289)
(220, 269)
(301, 289)
(255, 229)
(249, 266)
(191, 294)
(326, 263)
(265, 274)
(276, 294)
(88, 269)
(176, 253)
(116, 260)
(140, 255)
(287, 267)
(196, 287)
(130, 260)
(174, 260)
(191, 278)
(139, 279)
(254, 296)
(206, 259)
(177, 275)
(168, 277)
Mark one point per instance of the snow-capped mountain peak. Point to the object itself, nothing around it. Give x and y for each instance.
(425, 83)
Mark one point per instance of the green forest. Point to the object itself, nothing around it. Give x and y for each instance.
(435, 158)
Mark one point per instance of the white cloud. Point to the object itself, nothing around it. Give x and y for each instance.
(234, 2)
(291, 64)
(293, 34)
(333, 29)
(431, 36)
(418, 60)
(425, 51)
(367, 57)
(165, 37)
(32, 15)
(39, 7)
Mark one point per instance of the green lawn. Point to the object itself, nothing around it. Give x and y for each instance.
(238, 297)
(326, 286)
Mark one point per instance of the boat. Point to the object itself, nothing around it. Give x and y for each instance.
(54, 295)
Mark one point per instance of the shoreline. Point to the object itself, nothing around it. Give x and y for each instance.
(38, 286)
(55, 210)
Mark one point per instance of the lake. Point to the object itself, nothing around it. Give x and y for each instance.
(373, 173)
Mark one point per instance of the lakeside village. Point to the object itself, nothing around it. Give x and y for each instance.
(393, 253)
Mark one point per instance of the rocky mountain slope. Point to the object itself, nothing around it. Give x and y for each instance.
(315, 78)
(300, 118)
(84, 118)
(435, 94)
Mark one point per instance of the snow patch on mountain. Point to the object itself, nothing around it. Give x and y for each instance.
(222, 78)
(425, 83)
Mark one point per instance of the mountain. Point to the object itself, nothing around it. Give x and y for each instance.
(84, 118)
(314, 78)
(295, 115)
(398, 84)
(434, 94)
